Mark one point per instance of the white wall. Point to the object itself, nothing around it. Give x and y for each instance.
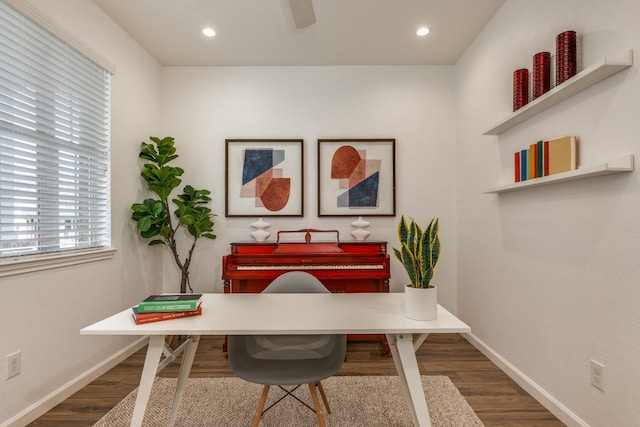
(548, 277)
(201, 107)
(41, 313)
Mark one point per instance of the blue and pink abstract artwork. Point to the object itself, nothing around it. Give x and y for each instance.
(264, 182)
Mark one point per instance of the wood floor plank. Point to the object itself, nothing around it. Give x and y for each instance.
(496, 398)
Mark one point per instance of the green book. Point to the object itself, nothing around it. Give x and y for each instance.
(539, 159)
(169, 303)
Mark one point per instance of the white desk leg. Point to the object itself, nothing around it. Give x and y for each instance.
(151, 362)
(404, 357)
(185, 368)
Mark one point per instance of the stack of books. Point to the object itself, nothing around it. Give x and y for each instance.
(167, 306)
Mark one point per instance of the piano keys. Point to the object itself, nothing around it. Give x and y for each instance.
(311, 267)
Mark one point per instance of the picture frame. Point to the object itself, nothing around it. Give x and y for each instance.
(356, 177)
(264, 177)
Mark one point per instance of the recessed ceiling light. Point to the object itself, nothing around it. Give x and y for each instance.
(209, 32)
(422, 31)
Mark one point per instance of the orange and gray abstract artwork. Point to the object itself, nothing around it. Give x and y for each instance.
(358, 176)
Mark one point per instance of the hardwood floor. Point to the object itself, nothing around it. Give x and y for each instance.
(496, 399)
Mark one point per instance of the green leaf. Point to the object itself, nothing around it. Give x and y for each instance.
(157, 208)
(415, 235)
(138, 207)
(187, 219)
(403, 231)
(194, 230)
(434, 241)
(151, 232)
(397, 254)
(424, 257)
(148, 152)
(145, 223)
(409, 263)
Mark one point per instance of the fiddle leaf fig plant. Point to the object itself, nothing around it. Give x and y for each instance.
(419, 250)
(153, 217)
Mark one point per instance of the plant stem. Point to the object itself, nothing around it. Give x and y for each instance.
(184, 268)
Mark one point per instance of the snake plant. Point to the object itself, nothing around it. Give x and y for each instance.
(419, 250)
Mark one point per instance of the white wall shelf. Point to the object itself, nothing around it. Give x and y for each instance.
(588, 77)
(618, 165)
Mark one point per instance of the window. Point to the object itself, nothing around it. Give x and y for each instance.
(54, 143)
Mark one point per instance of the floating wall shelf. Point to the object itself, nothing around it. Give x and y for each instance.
(588, 77)
(618, 165)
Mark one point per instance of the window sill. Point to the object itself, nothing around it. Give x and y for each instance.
(30, 263)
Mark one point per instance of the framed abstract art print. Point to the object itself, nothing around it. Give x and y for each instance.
(356, 177)
(264, 177)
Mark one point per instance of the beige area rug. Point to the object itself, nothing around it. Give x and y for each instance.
(365, 401)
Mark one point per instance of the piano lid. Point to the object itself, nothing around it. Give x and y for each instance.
(307, 246)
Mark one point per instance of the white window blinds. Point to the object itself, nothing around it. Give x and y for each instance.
(54, 143)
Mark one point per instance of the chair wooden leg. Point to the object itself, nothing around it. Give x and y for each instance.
(316, 404)
(324, 397)
(263, 399)
(170, 339)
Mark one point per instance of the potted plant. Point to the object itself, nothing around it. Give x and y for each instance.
(419, 252)
(153, 216)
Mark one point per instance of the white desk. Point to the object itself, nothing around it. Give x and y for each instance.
(274, 314)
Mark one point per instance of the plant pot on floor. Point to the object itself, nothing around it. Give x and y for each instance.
(421, 303)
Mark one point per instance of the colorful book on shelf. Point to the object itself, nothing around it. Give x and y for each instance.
(142, 318)
(545, 160)
(516, 166)
(170, 303)
(533, 161)
(524, 165)
(563, 154)
(539, 159)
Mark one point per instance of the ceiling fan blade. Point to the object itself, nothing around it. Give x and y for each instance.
(303, 14)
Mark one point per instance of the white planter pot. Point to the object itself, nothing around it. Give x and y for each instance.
(421, 303)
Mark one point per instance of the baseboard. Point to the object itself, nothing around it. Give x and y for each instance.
(45, 404)
(547, 400)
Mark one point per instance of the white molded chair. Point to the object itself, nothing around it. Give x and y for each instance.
(288, 359)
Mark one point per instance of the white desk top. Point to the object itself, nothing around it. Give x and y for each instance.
(241, 314)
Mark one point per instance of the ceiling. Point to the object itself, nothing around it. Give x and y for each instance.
(262, 32)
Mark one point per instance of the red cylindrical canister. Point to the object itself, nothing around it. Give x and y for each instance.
(520, 88)
(541, 73)
(566, 56)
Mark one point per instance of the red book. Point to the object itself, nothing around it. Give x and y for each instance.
(545, 162)
(516, 164)
(141, 318)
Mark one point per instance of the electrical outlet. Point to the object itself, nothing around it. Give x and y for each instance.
(14, 364)
(597, 375)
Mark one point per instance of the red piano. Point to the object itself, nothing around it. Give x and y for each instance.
(353, 266)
